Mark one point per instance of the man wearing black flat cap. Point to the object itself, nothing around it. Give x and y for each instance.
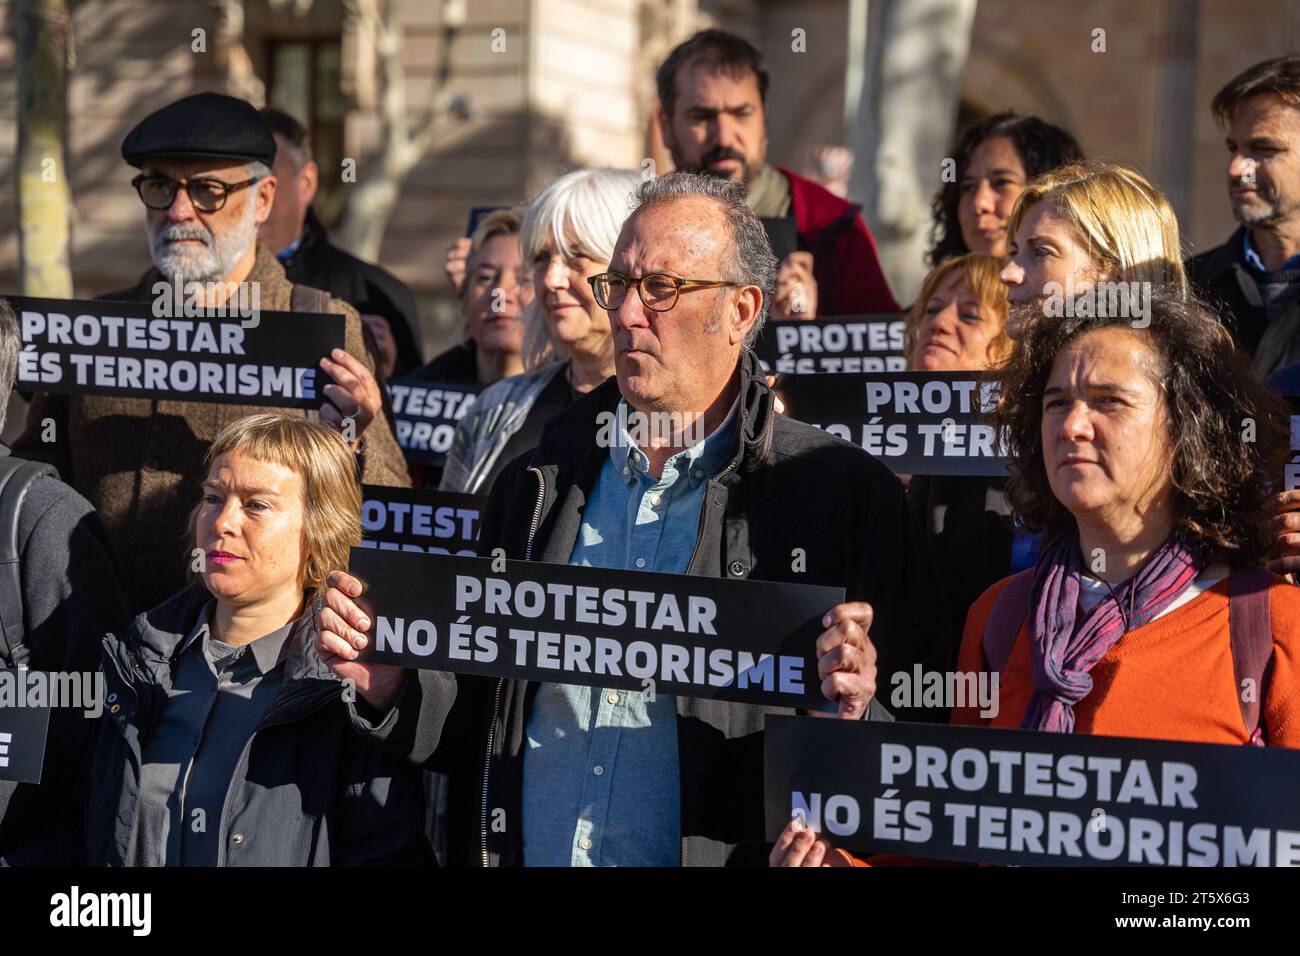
(205, 180)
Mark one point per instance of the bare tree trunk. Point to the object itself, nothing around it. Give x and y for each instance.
(371, 204)
(42, 29)
(916, 53)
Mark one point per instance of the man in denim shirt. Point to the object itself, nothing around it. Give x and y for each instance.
(549, 774)
(617, 779)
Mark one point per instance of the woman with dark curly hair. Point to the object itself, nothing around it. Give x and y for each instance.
(1146, 455)
(995, 158)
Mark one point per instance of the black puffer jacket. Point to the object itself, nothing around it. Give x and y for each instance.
(789, 488)
(307, 791)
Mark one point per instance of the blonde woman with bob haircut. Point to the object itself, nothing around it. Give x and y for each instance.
(227, 741)
(959, 321)
(1088, 223)
(568, 235)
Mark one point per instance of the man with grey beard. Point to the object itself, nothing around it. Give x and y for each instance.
(206, 183)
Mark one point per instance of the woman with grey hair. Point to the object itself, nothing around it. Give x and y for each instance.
(568, 234)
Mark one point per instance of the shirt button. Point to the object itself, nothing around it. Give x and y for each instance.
(640, 562)
(237, 839)
(115, 708)
(627, 470)
(585, 843)
(654, 501)
(598, 770)
(612, 698)
(698, 473)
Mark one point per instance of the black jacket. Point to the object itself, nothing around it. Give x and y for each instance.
(790, 486)
(366, 287)
(71, 594)
(967, 521)
(307, 791)
(1221, 276)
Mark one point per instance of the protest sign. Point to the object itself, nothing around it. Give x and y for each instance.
(408, 519)
(917, 423)
(782, 234)
(425, 414)
(844, 344)
(139, 350)
(748, 641)
(23, 730)
(1027, 798)
(476, 216)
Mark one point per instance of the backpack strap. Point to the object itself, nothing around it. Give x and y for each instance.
(1003, 626)
(16, 478)
(303, 298)
(1250, 629)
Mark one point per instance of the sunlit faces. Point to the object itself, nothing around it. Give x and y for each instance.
(205, 246)
(1264, 162)
(717, 125)
(568, 305)
(682, 359)
(494, 296)
(993, 179)
(1045, 249)
(1105, 431)
(250, 529)
(956, 330)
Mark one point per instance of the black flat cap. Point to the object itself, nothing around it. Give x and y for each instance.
(205, 124)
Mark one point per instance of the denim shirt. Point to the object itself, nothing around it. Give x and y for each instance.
(601, 777)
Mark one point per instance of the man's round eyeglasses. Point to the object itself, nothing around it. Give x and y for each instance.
(207, 195)
(658, 290)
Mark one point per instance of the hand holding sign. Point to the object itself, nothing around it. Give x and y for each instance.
(799, 846)
(355, 396)
(796, 289)
(340, 627)
(1284, 558)
(846, 659)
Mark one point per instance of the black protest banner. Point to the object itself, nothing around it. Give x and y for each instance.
(1027, 798)
(477, 215)
(150, 350)
(409, 519)
(843, 344)
(23, 730)
(1291, 471)
(425, 415)
(748, 641)
(917, 423)
(782, 234)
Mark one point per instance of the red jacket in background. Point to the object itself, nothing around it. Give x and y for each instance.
(845, 263)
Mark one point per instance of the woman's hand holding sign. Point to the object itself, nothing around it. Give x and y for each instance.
(340, 637)
(799, 846)
(356, 395)
(846, 659)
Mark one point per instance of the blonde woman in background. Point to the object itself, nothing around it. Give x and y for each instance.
(1090, 223)
(568, 234)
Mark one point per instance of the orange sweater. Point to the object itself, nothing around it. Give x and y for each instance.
(1171, 679)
